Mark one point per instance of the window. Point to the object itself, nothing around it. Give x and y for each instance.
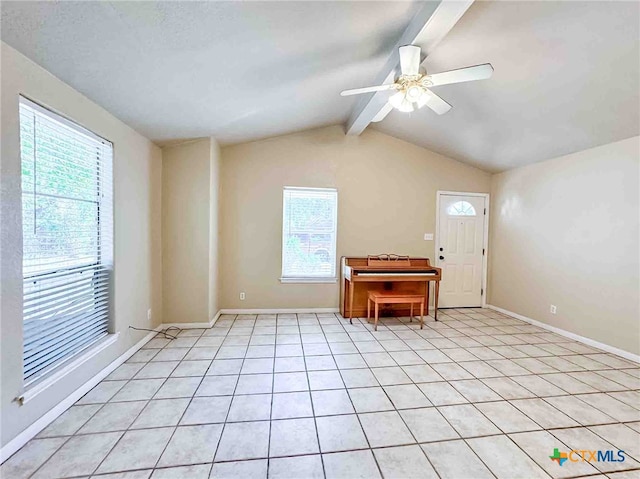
(309, 234)
(461, 208)
(67, 218)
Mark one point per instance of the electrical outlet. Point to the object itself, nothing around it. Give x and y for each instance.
(242, 296)
(149, 314)
(553, 309)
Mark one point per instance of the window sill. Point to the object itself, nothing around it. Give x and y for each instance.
(308, 280)
(32, 390)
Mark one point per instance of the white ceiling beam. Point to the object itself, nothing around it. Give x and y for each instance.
(430, 25)
(386, 109)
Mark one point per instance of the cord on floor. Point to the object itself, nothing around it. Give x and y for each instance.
(164, 331)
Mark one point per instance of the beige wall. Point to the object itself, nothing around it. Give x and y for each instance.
(190, 181)
(386, 202)
(185, 232)
(137, 276)
(565, 232)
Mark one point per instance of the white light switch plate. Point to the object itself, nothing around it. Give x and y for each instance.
(428, 236)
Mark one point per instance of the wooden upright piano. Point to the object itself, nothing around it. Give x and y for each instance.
(386, 273)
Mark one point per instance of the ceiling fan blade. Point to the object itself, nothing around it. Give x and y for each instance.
(437, 104)
(386, 109)
(478, 72)
(369, 89)
(409, 60)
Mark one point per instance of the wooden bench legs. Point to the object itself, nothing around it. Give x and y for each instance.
(421, 314)
(378, 299)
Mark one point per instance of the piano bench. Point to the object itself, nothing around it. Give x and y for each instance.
(378, 298)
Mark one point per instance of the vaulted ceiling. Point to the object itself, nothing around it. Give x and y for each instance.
(567, 78)
(566, 73)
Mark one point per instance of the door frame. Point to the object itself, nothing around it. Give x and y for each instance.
(485, 238)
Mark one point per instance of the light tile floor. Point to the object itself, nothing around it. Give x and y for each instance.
(476, 395)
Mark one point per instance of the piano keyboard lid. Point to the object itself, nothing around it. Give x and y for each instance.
(391, 272)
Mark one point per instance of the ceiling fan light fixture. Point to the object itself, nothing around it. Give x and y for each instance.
(396, 99)
(406, 107)
(414, 92)
(400, 102)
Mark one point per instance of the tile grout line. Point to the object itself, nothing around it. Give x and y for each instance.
(623, 370)
(445, 419)
(185, 410)
(313, 411)
(224, 424)
(273, 379)
(138, 415)
(364, 433)
(121, 435)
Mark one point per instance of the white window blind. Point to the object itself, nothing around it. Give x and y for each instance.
(67, 215)
(309, 233)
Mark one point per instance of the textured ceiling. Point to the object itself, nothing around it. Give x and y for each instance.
(235, 70)
(566, 79)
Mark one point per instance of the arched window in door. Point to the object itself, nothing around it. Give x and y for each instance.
(461, 208)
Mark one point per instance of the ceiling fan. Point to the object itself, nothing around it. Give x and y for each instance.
(412, 86)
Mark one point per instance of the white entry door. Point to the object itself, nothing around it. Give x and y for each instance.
(459, 250)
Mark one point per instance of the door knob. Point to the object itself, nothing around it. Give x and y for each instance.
(441, 257)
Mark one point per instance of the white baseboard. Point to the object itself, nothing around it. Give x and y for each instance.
(570, 335)
(203, 324)
(279, 310)
(21, 439)
(215, 318)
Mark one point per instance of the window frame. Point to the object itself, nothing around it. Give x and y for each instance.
(104, 255)
(330, 278)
